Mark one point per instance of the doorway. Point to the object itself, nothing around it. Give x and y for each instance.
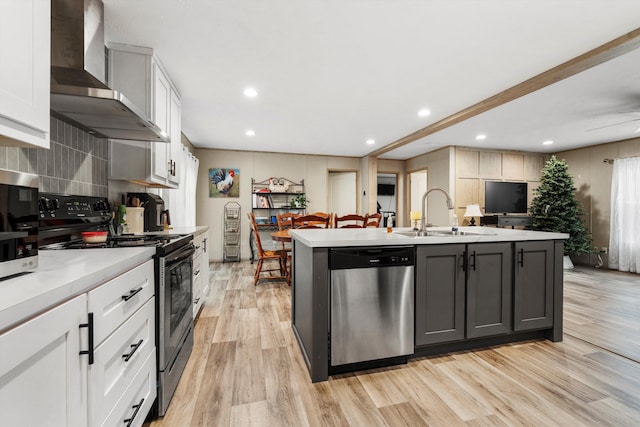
(387, 198)
(417, 186)
(343, 193)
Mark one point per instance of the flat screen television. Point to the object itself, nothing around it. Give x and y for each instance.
(502, 197)
(386, 189)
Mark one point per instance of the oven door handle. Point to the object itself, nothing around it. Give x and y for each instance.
(180, 255)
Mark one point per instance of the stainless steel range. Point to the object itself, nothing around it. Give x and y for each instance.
(64, 217)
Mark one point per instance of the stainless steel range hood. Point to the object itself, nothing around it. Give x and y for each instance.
(78, 89)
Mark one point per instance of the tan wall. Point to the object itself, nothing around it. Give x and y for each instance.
(439, 166)
(592, 178)
(313, 169)
(474, 166)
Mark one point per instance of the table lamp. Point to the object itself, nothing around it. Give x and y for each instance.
(415, 217)
(471, 212)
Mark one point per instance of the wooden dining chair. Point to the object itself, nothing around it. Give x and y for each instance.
(267, 256)
(284, 220)
(349, 221)
(311, 221)
(373, 220)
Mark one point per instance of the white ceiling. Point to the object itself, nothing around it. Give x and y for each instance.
(333, 73)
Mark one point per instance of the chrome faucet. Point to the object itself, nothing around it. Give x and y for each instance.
(423, 218)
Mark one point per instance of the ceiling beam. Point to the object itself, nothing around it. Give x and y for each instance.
(617, 47)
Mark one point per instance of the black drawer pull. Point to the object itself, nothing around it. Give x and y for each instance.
(133, 350)
(89, 326)
(137, 407)
(196, 301)
(132, 293)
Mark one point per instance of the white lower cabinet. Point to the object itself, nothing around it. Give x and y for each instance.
(136, 401)
(43, 376)
(200, 271)
(49, 374)
(118, 360)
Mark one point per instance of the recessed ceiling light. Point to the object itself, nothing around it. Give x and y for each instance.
(424, 112)
(547, 142)
(250, 133)
(481, 137)
(250, 92)
(370, 141)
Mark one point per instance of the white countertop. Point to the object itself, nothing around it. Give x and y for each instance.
(195, 230)
(61, 275)
(342, 237)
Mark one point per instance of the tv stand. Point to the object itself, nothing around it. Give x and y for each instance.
(507, 220)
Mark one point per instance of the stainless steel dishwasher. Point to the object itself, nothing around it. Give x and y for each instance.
(372, 299)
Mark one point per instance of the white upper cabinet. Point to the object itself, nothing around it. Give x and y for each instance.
(138, 73)
(175, 149)
(25, 37)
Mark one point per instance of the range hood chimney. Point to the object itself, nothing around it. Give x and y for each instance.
(79, 92)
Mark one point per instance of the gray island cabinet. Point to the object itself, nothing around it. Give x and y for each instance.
(486, 287)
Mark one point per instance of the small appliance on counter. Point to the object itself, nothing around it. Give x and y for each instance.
(18, 222)
(153, 210)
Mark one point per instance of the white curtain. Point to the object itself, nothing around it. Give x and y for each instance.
(181, 202)
(624, 235)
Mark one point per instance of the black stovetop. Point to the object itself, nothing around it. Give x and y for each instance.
(64, 217)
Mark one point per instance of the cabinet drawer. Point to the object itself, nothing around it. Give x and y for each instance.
(113, 302)
(118, 359)
(137, 399)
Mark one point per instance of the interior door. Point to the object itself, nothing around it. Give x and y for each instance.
(342, 193)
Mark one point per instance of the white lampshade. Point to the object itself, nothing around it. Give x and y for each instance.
(472, 210)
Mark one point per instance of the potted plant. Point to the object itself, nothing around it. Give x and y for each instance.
(556, 209)
(299, 201)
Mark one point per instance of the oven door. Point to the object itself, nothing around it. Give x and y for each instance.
(175, 314)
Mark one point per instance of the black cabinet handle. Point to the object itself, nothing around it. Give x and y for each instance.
(135, 347)
(131, 294)
(196, 301)
(463, 264)
(195, 273)
(137, 407)
(89, 326)
(521, 256)
(474, 260)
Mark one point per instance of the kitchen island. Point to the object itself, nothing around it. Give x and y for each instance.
(485, 286)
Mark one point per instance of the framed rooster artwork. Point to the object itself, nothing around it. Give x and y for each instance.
(224, 182)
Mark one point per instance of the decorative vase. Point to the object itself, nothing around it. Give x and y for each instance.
(566, 263)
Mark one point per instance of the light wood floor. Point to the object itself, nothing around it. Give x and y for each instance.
(603, 307)
(246, 370)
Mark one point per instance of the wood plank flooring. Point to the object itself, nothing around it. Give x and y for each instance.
(603, 307)
(246, 369)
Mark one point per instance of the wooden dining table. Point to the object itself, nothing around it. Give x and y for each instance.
(281, 236)
(284, 237)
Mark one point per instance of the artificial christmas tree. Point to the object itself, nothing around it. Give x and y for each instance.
(555, 207)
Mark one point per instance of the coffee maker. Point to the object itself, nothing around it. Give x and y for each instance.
(154, 210)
